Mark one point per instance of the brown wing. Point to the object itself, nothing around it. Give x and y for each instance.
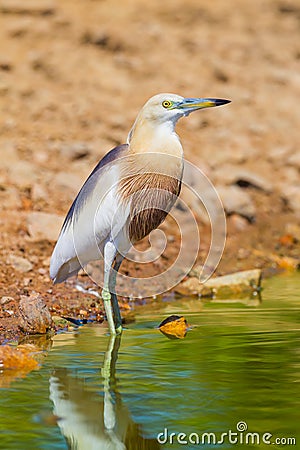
(151, 197)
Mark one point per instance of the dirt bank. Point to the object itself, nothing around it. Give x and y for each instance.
(73, 75)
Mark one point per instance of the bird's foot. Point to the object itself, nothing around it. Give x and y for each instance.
(119, 329)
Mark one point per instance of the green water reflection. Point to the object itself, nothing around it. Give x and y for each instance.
(238, 363)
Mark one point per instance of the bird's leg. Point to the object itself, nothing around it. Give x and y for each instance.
(109, 256)
(114, 298)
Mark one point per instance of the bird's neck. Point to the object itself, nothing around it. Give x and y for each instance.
(152, 137)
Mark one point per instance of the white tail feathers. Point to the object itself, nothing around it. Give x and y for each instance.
(66, 270)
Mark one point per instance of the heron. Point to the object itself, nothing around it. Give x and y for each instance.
(128, 194)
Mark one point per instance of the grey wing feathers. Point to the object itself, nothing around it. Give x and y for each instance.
(76, 236)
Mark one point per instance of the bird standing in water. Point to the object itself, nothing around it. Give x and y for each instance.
(128, 194)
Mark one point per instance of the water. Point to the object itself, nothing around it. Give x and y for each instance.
(239, 364)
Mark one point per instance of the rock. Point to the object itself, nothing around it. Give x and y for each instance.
(43, 225)
(191, 286)
(19, 263)
(4, 89)
(22, 173)
(292, 195)
(246, 178)
(236, 200)
(230, 174)
(35, 315)
(67, 183)
(5, 65)
(4, 300)
(101, 39)
(279, 154)
(9, 197)
(30, 7)
(247, 281)
(9, 154)
(60, 322)
(286, 262)
(238, 222)
(294, 230)
(294, 160)
(75, 150)
(38, 192)
(19, 27)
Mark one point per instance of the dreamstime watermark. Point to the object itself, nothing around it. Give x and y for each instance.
(113, 213)
(239, 436)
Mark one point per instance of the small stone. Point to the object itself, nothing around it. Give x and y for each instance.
(101, 39)
(9, 197)
(43, 225)
(9, 154)
(27, 281)
(235, 283)
(239, 223)
(60, 322)
(5, 65)
(286, 262)
(247, 281)
(19, 263)
(38, 192)
(4, 300)
(294, 230)
(67, 183)
(19, 27)
(231, 174)
(294, 160)
(75, 150)
(292, 195)
(22, 174)
(238, 201)
(246, 178)
(35, 315)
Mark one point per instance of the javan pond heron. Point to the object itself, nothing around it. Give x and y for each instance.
(129, 193)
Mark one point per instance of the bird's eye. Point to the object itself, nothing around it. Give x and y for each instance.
(167, 104)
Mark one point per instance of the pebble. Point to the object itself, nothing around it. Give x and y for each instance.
(35, 315)
(19, 263)
(43, 225)
(38, 192)
(294, 230)
(22, 173)
(294, 160)
(238, 222)
(224, 286)
(231, 174)
(238, 201)
(75, 150)
(67, 183)
(4, 300)
(9, 197)
(292, 194)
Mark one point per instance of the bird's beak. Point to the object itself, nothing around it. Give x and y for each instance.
(192, 104)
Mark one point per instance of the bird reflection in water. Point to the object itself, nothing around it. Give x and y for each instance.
(95, 422)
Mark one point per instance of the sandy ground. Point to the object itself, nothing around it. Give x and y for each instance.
(73, 75)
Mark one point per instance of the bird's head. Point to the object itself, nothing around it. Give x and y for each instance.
(170, 107)
(161, 112)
